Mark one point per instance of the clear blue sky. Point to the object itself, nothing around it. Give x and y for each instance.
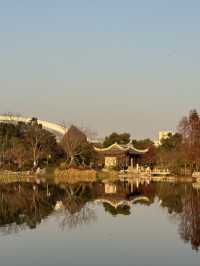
(111, 65)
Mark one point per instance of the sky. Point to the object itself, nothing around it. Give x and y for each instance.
(126, 66)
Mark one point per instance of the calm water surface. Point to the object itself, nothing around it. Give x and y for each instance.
(100, 224)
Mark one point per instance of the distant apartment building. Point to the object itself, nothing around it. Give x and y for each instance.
(161, 136)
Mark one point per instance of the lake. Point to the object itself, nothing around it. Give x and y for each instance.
(121, 223)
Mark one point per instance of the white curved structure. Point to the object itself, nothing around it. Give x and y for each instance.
(121, 203)
(125, 147)
(47, 125)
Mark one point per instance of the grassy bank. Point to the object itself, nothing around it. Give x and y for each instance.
(57, 175)
(12, 177)
(74, 176)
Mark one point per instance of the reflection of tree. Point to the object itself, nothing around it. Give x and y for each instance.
(76, 212)
(12, 228)
(190, 219)
(22, 206)
(125, 210)
(26, 205)
(84, 216)
(171, 196)
(183, 204)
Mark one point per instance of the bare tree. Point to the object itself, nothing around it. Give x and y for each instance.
(189, 127)
(84, 216)
(40, 141)
(76, 146)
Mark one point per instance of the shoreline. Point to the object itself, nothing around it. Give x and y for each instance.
(74, 176)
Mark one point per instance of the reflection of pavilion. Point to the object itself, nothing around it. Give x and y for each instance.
(110, 188)
(129, 185)
(120, 196)
(30, 206)
(196, 185)
(124, 203)
(136, 182)
(119, 156)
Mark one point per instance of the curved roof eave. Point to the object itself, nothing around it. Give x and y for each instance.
(118, 146)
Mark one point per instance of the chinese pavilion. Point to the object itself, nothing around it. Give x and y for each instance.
(119, 156)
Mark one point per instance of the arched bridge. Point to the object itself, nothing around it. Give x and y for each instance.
(54, 128)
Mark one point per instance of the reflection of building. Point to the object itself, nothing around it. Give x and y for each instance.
(119, 197)
(119, 156)
(110, 188)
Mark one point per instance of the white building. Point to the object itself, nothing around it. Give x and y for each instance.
(161, 136)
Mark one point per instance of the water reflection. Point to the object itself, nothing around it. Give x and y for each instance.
(25, 205)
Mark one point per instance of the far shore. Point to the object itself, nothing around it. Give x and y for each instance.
(74, 176)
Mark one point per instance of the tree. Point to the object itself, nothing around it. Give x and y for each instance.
(41, 142)
(78, 149)
(23, 145)
(189, 127)
(169, 153)
(17, 154)
(89, 133)
(123, 138)
(142, 144)
(172, 142)
(149, 158)
(8, 135)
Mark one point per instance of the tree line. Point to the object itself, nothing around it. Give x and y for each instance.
(180, 152)
(25, 146)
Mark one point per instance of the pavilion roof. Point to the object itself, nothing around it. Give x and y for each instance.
(123, 148)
